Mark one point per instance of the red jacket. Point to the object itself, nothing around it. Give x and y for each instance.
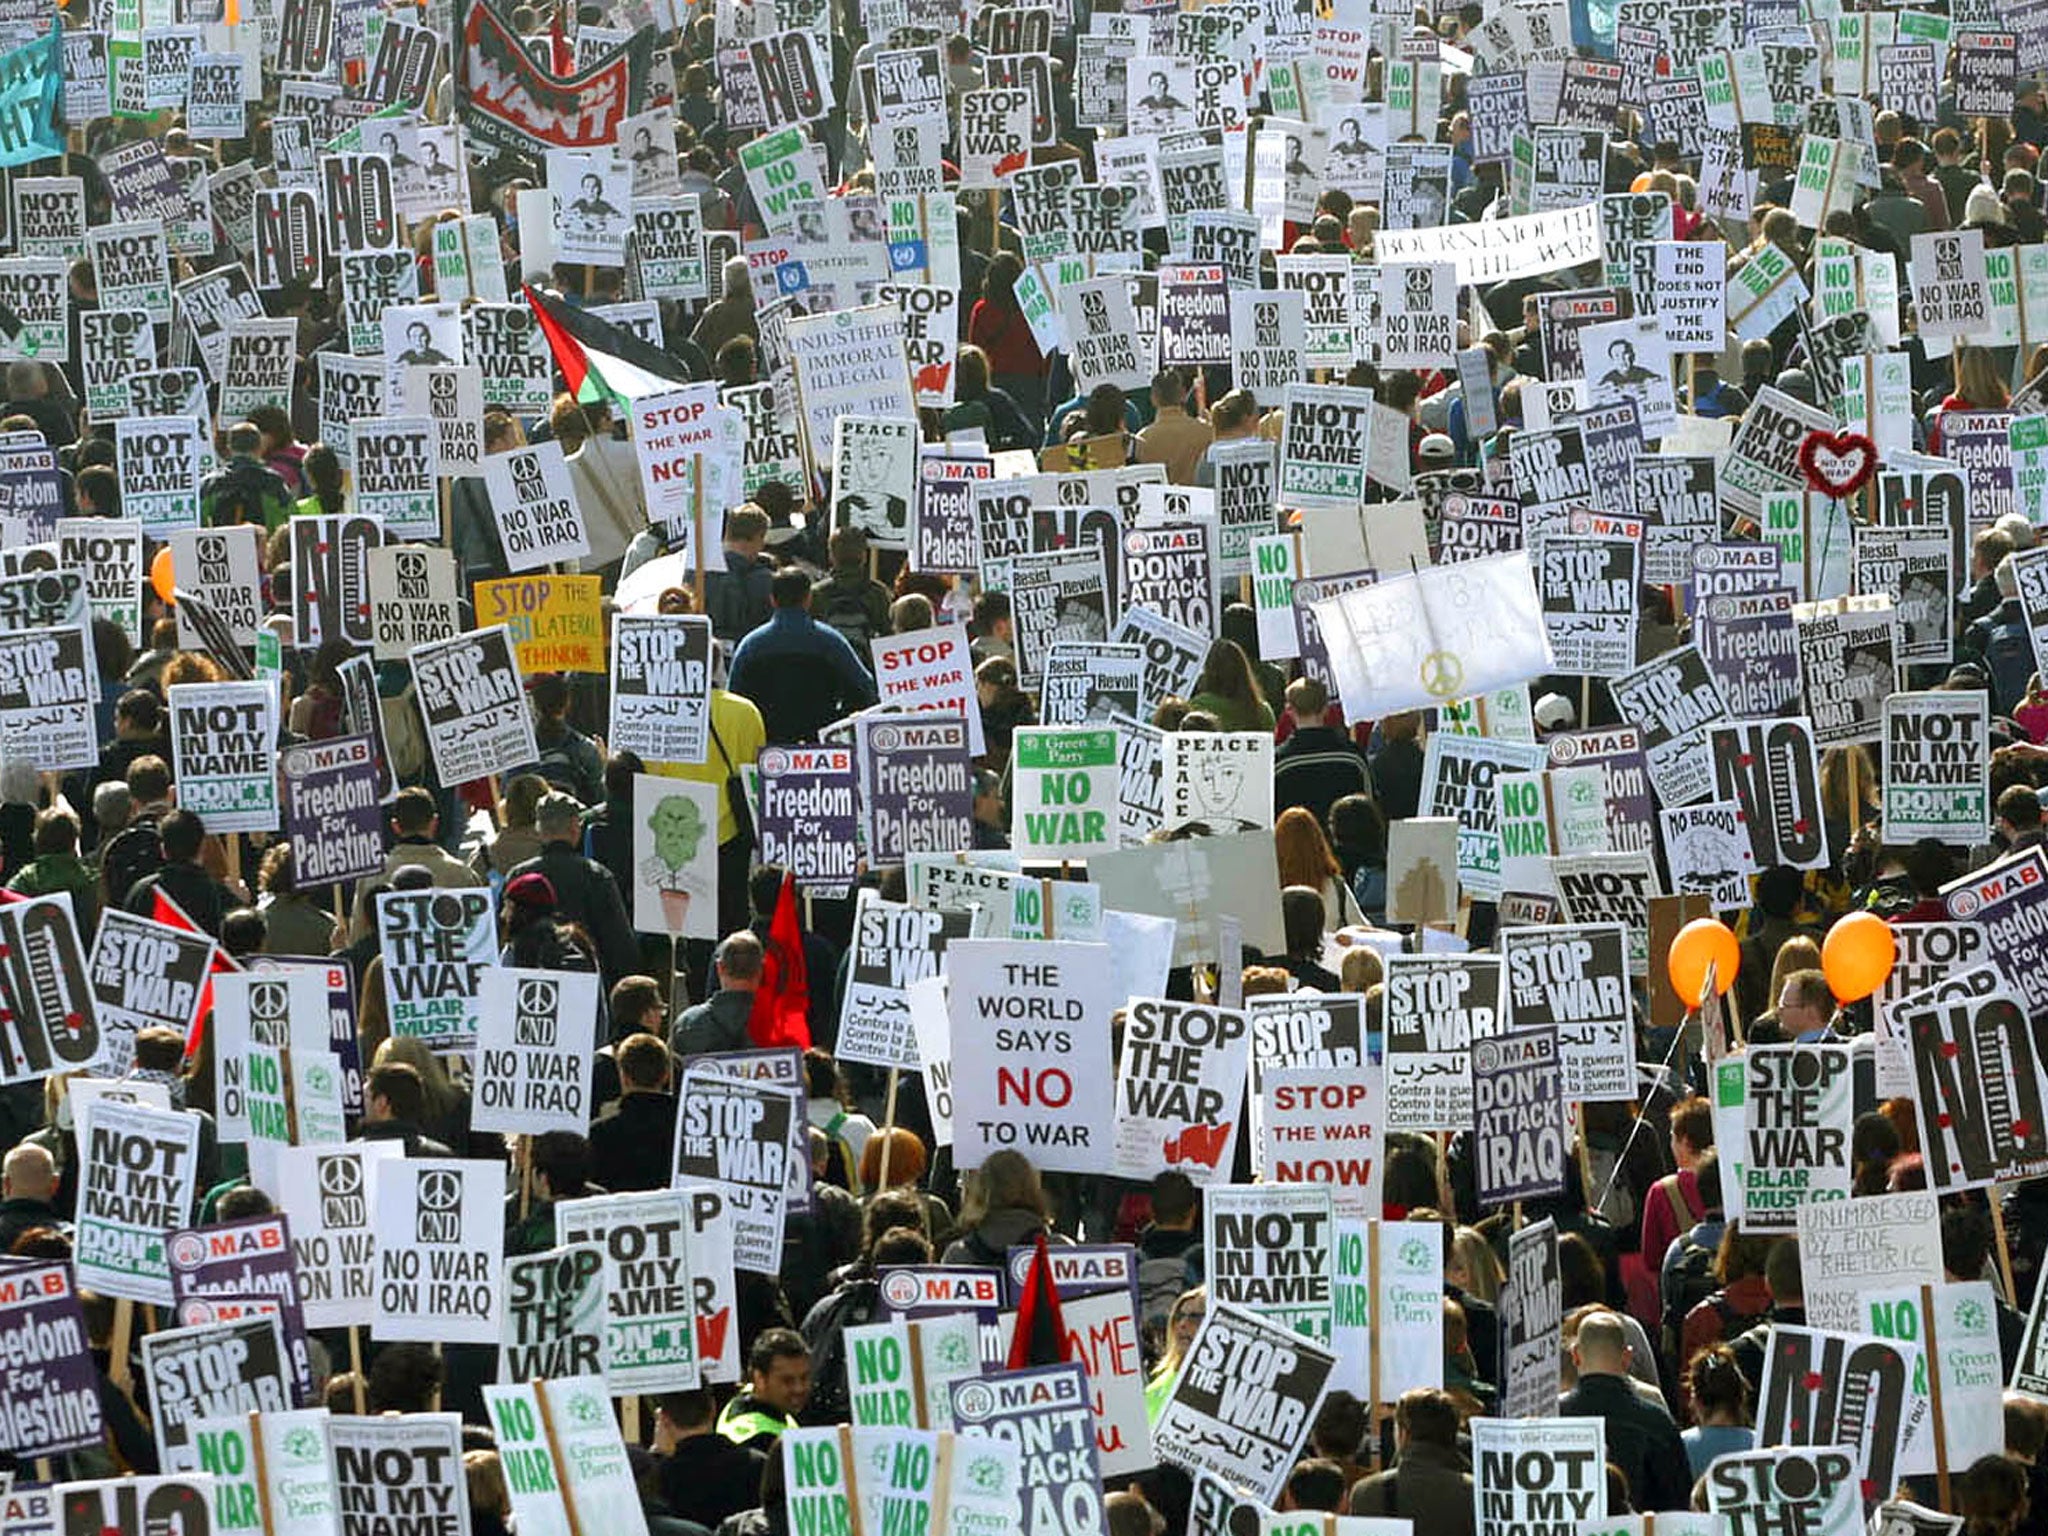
(1005, 335)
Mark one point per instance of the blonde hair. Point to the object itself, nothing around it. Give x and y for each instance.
(1798, 953)
(1170, 1354)
(438, 1089)
(1362, 969)
(1483, 1276)
(1006, 1181)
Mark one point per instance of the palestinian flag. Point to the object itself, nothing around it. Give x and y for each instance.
(600, 360)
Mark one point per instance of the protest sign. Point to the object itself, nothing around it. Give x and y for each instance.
(412, 589)
(158, 459)
(929, 669)
(211, 1371)
(137, 1170)
(331, 812)
(51, 1386)
(555, 1313)
(1168, 569)
(1531, 1314)
(1797, 1108)
(2004, 899)
(400, 1467)
(436, 946)
(917, 790)
(1769, 768)
(1541, 1476)
(734, 1135)
(1978, 1076)
(440, 1225)
(535, 506)
(808, 815)
(1878, 1242)
(394, 466)
(1064, 792)
(1223, 779)
(224, 740)
(474, 705)
(1927, 952)
(893, 947)
(675, 857)
(1520, 1133)
(1243, 1402)
(1848, 1389)
(574, 1472)
(271, 1471)
(133, 1505)
(660, 686)
(1322, 1125)
(1436, 1006)
(650, 1339)
(49, 1021)
(1179, 1089)
(536, 1034)
(1049, 1410)
(45, 699)
(1955, 1325)
(1270, 1250)
(143, 973)
(1090, 682)
(1936, 766)
(328, 1191)
(1031, 1059)
(1323, 445)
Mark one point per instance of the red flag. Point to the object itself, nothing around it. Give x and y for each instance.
(1041, 1336)
(561, 55)
(782, 1002)
(171, 915)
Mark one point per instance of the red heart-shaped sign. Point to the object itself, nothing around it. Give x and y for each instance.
(1837, 464)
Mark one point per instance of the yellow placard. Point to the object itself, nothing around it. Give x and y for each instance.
(556, 622)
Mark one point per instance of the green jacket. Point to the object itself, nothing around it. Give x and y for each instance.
(50, 873)
(749, 1421)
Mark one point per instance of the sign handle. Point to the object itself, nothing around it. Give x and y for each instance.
(1997, 1203)
(1930, 1353)
(355, 1369)
(917, 1393)
(547, 1429)
(849, 1470)
(629, 1412)
(259, 1463)
(117, 1347)
(525, 1178)
(888, 1128)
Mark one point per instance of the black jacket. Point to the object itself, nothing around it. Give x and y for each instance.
(634, 1149)
(1642, 1440)
(586, 893)
(202, 897)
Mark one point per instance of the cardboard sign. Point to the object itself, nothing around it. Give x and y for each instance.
(917, 789)
(1797, 1118)
(224, 742)
(734, 1135)
(1848, 1389)
(536, 1036)
(1540, 1476)
(675, 857)
(42, 1328)
(1519, 1132)
(555, 1312)
(1979, 1094)
(210, 1372)
(650, 1339)
(2005, 900)
(137, 1168)
(395, 459)
(436, 945)
(143, 973)
(1031, 1056)
(893, 946)
(400, 1466)
(1179, 1089)
(1322, 1125)
(328, 1191)
(1064, 793)
(440, 1226)
(576, 1474)
(1770, 769)
(535, 505)
(1050, 1409)
(1936, 767)
(1531, 1315)
(807, 815)
(1270, 1249)
(661, 686)
(1243, 1403)
(294, 1489)
(473, 702)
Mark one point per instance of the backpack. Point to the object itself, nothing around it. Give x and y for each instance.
(1160, 1283)
(136, 853)
(1692, 1282)
(853, 1305)
(559, 767)
(2009, 658)
(846, 610)
(405, 739)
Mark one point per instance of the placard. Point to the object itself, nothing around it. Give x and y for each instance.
(1243, 1402)
(436, 946)
(734, 1135)
(224, 745)
(137, 1170)
(535, 1041)
(473, 701)
(661, 686)
(440, 1224)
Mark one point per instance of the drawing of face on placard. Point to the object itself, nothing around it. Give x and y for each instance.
(423, 335)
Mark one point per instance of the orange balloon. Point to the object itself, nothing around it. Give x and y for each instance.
(161, 576)
(1702, 942)
(1857, 955)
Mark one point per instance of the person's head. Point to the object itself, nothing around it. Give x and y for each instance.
(739, 959)
(1316, 1483)
(1720, 1392)
(414, 814)
(746, 529)
(1302, 916)
(2026, 1427)
(1602, 1347)
(29, 1173)
(404, 1378)
(1129, 1515)
(911, 612)
(779, 1370)
(2019, 810)
(1169, 389)
(112, 805)
(1339, 1429)
(1227, 672)
(1692, 1129)
(1006, 1181)
(644, 1064)
(847, 549)
(1966, 1242)
(245, 439)
(1104, 412)
(900, 1150)
(56, 832)
(1183, 1322)
(1427, 1416)
(183, 833)
(392, 1091)
(1309, 700)
(1805, 1003)
(558, 818)
(1783, 1276)
(1174, 1202)
(1992, 1496)
(680, 1415)
(790, 588)
(138, 716)
(1301, 852)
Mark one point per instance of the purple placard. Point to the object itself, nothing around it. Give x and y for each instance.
(1082, 1269)
(341, 1018)
(50, 1386)
(234, 1263)
(1977, 441)
(782, 1067)
(917, 785)
(1050, 1409)
(1517, 1115)
(30, 487)
(1631, 813)
(331, 814)
(810, 811)
(1751, 646)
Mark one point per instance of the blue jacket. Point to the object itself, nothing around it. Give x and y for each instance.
(801, 675)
